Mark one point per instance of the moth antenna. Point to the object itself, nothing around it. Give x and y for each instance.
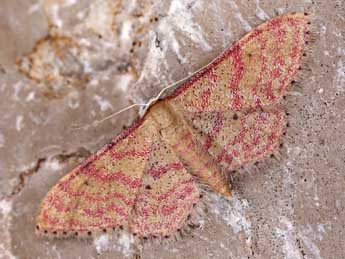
(156, 98)
(141, 111)
(145, 106)
(97, 122)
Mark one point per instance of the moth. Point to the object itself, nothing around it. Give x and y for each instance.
(227, 115)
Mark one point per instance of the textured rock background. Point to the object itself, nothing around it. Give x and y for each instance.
(66, 63)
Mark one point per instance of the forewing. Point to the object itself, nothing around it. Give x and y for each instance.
(252, 73)
(100, 193)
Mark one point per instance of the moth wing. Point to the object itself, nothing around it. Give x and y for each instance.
(100, 193)
(234, 139)
(254, 72)
(167, 194)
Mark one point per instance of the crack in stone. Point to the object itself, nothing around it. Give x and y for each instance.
(23, 176)
(63, 157)
(81, 152)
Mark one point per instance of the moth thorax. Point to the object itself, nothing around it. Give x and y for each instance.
(162, 115)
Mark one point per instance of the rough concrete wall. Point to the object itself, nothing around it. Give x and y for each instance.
(66, 63)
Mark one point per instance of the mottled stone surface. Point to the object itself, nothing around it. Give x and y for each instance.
(65, 64)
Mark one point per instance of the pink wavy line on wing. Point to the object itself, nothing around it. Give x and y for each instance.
(76, 225)
(218, 125)
(271, 139)
(182, 194)
(276, 28)
(131, 153)
(263, 67)
(49, 219)
(205, 98)
(294, 52)
(245, 147)
(163, 196)
(61, 206)
(115, 141)
(101, 211)
(158, 171)
(166, 208)
(168, 224)
(238, 139)
(58, 204)
(236, 101)
(99, 174)
(206, 94)
(65, 187)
